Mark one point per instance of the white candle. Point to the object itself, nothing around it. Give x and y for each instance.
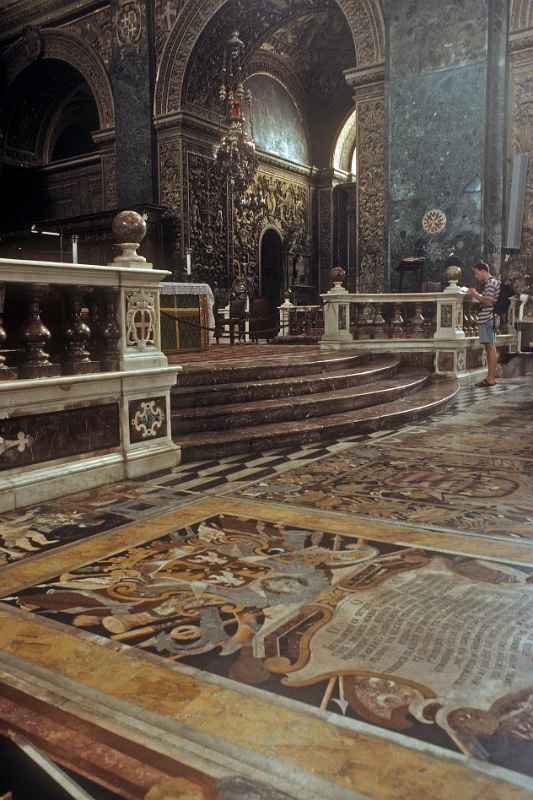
(189, 262)
(74, 248)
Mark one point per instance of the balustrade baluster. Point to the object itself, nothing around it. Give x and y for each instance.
(430, 322)
(364, 327)
(77, 334)
(111, 332)
(96, 324)
(35, 336)
(475, 322)
(418, 322)
(397, 323)
(5, 372)
(379, 323)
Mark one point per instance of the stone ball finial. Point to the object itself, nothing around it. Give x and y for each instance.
(453, 274)
(129, 229)
(337, 275)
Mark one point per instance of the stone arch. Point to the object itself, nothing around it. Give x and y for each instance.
(62, 46)
(345, 143)
(364, 17)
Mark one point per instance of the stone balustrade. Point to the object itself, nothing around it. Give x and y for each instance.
(300, 320)
(437, 329)
(104, 318)
(84, 384)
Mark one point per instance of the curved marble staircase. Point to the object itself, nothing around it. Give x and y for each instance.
(224, 408)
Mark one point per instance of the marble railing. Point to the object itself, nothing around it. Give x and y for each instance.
(102, 318)
(449, 316)
(300, 320)
(84, 384)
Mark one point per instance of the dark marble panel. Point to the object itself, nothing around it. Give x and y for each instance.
(131, 77)
(148, 419)
(278, 125)
(428, 35)
(36, 438)
(436, 161)
(496, 128)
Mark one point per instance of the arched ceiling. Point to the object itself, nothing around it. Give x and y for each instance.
(30, 103)
(317, 47)
(315, 44)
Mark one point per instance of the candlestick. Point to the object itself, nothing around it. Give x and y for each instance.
(74, 248)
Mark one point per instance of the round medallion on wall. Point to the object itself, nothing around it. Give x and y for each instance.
(434, 221)
(129, 23)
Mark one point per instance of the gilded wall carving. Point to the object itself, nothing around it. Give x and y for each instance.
(325, 233)
(110, 181)
(371, 194)
(286, 207)
(165, 15)
(170, 162)
(96, 30)
(128, 26)
(365, 18)
(207, 222)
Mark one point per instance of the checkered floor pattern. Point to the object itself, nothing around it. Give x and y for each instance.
(221, 474)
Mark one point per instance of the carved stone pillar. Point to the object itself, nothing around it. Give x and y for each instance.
(522, 142)
(325, 215)
(35, 336)
(368, 92)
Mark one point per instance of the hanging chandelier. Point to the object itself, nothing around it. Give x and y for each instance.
(235, 154)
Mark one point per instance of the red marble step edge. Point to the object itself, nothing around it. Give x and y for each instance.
(233, 372)
(261, 412)
(282, 387)
(216, 444)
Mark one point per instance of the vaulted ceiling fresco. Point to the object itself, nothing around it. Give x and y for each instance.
(311, 37)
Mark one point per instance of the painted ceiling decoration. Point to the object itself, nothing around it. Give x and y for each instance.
(310, 36)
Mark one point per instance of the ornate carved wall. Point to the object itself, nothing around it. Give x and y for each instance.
(287, 206)
(521, 126)
(207, 219)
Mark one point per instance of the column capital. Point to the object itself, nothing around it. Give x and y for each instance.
(368, 81)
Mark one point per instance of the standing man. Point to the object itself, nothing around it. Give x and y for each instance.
(486, 317)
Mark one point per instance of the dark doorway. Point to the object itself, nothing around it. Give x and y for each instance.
(266, 307)
(272, 269)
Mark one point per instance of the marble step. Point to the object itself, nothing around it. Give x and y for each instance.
(413, 406)
(289, 386)
(224, 417)
(270, 367)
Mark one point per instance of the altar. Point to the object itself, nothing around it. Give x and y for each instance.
(187, 316)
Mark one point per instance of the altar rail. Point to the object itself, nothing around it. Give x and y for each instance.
(84, 385)
(441, 327)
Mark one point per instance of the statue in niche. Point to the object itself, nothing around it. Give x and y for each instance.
(196, 218)
(298, 269)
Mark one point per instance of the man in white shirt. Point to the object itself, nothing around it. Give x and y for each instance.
(486, 318)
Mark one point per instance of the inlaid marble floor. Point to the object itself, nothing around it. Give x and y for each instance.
(344, 621)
